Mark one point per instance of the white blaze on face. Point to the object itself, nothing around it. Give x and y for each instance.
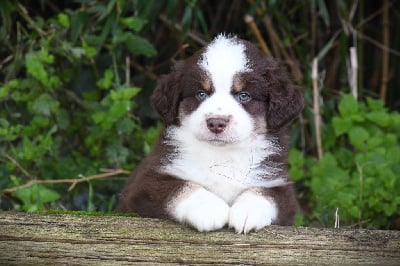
(224, 58)
(228, 162)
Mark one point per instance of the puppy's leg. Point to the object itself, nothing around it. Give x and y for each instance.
(260, 207)
(199, 207)
(252, 211)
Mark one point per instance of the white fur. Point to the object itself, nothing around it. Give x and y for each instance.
(239, 128)
(229, 162)
(201, 209)
(224, 58)
(222, 166)
(252, 212)
(224, 170)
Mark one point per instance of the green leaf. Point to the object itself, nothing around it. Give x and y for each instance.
(35, 196)
(106, 81)
(375, 104)
(358, 117)
(46, 57)
(63, 20)
(187, 19)
(323, 10)
(63, 119)
(133, 23)
(4, 92)
(77, 52)
(90, 206)
(296, 162)
(35, 67)
(14, 83)
(45, 105)
(90, 51)
(380, 118)
(139, 46)
(358, 136)
(348, 106)
(125, 126)
(119, 109)
(47, 195)
(327, 47)
(200, 17)
(124, 93)
(341, 125)
(99, 117)
(117, 153)
(374, 142)
(328, 169)
(4, 123)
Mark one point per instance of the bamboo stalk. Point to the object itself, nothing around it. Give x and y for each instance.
(253, 27)
(316, 110)
(385, 54)
(360, 45)
(313, 28)
(193, 35)
(274, 37)
(353, 72)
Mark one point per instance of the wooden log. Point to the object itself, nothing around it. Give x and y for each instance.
(37, 239)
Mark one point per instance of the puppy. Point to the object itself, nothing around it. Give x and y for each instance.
(222, 157)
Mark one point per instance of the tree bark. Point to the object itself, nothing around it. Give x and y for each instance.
(35, 239)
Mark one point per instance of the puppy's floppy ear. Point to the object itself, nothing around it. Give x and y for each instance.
(285, 100)
(167, 95)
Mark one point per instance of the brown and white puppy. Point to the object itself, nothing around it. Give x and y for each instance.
(221, 159)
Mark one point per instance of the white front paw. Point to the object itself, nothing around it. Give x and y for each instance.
(202, 210)
(251, 212)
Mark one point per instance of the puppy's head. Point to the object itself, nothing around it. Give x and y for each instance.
(227, 92)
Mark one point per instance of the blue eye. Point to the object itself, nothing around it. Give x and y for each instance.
(201, 95)
(243, 97)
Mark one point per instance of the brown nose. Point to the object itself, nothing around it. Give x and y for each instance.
(217, 124)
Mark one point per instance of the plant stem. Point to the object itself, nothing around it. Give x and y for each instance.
(385, 53)
(73, 181)
(253, 27)
(316, 110)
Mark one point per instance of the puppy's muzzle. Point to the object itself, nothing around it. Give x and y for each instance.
(217, 124)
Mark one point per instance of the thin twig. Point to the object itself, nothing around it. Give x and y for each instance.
(360, 172)
(6, 60)
(371, 40)
(73, 181)
(19, 166)
(128, 71)
(314, 19)
(192, 35)
(385, 54)
(273, 35)
(24, 13)
(143, 70)
(316, 110)
(253, 27)
(337, 221)
(353, 72)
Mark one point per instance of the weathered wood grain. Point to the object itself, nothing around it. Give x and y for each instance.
(33, 239)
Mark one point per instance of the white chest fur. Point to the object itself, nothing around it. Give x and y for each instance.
(224, 170)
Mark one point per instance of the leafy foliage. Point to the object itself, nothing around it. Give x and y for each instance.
(360, 168)
(57, 121)
(75, 77)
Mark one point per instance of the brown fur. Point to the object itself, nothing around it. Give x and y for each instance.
(274, 96)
